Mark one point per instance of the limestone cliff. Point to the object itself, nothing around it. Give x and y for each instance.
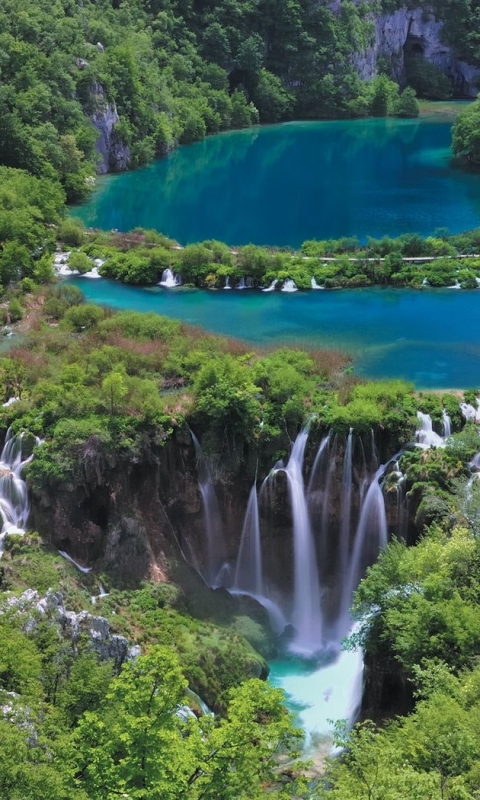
(404, 31)
(114, 154)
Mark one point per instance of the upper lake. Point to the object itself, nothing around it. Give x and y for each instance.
(283, 184)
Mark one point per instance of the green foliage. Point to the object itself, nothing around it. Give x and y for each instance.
(427, 79)
(466, 133)
(407, 104)
(81, 317)
(139, 744)
(80, 262)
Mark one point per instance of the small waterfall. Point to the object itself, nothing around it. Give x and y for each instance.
(306, 616)
(315, 285)
(248, 570)
(65, 555)
(213, 524)
(471, 412)
(289, 286)
(14, 507)
(447, 425)
(245, 283)
(227, 282)
(426, 436)
(371, 537)
(272, 286)
(169, 280)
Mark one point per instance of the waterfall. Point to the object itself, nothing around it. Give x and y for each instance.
(426, 436)
(14, 507)
(289, 286)
(371, 537)
(248, 570)
(245, 283)
(227, 282)
(470, 412)
(315, 285)
(169, 280)
(306, 616)
(272, 286)
(447, 425)
(346, 508)
(213, 524)
(65, 555)
(319, 458)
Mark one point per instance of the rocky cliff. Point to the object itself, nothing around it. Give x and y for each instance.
(406, 31)
(114, 155)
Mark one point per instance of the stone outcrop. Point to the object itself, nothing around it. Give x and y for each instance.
(114, 154)
(72, 626)
(405, 31)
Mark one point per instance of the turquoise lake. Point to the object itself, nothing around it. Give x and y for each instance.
(282, 184)
(430, 337)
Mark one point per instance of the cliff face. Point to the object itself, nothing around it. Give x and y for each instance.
(114, 154)
(405, 31)
(141, 517)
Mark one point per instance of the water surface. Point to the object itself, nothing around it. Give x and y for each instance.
(283, 184)
(431, 337)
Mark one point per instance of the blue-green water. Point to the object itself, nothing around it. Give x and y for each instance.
(429, 337)
(282, 184)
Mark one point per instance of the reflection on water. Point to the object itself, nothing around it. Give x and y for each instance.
(282, 184)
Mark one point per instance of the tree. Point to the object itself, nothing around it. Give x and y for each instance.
(271, 98)
(114, 390)
(143, 744)
(466, 134)
(407, 104)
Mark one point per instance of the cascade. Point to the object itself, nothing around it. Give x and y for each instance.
(315, 285)
(213, 524)
(14, 507)
(319, 461)
(272, 286)
(471, 412)
(227, 282)
(169, 280)
(242, 284)
(370, 538)
(447, 425)
(289, 286)
(248, 570)
(65, 555)
(306, 616)
(426, 436)
(344, 543)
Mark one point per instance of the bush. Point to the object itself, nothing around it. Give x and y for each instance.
(79, 318)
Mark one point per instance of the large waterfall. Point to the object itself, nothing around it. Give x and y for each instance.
(306, 617)
(14, 508)
(329, 557)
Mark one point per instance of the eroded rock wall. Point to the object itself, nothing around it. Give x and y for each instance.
(398, 32)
